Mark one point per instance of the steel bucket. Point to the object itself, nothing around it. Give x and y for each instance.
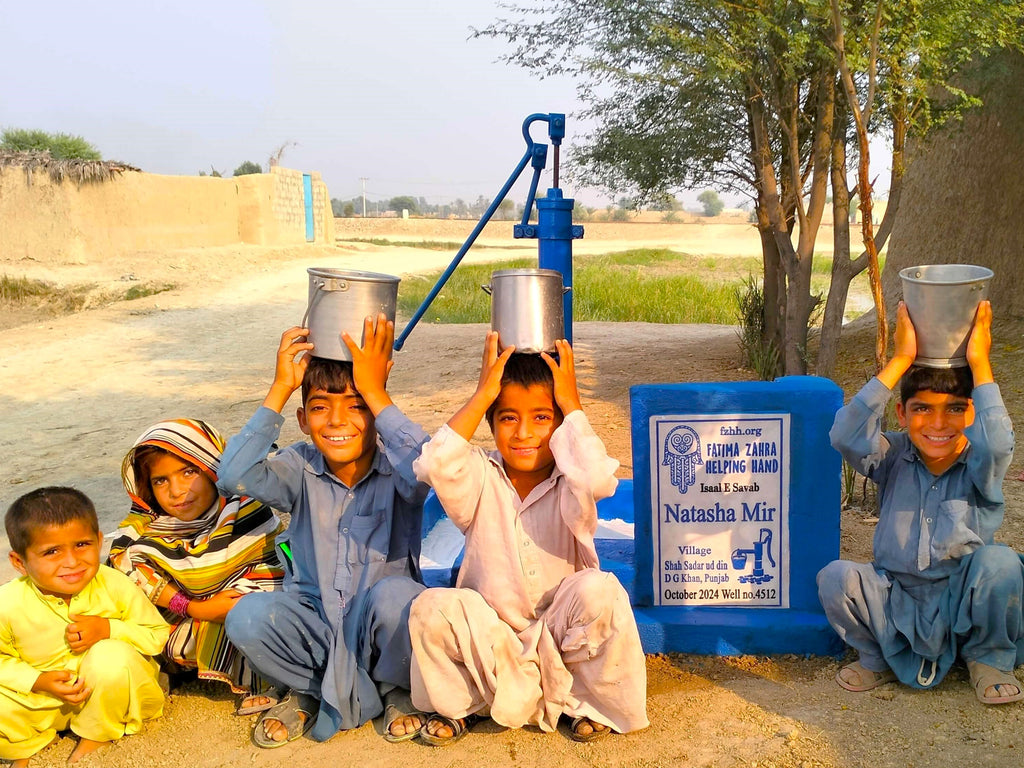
(526, 308)
(340, 300)
(942, 300)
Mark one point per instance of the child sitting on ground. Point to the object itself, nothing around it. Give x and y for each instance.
(337, 635)
(938, 586)
(194, 552)
(75, 636)
(533, 629)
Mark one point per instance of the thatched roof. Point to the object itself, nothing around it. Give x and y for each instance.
(78, 171)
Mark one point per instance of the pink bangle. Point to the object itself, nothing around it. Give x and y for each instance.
(179, 604)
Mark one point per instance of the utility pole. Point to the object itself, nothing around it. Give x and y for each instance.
(363, 179)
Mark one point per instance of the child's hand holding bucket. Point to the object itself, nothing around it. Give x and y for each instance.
(905, 337)
(372, 363)
(979, 346)
(566, 392)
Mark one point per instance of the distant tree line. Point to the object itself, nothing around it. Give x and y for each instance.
(508, 210)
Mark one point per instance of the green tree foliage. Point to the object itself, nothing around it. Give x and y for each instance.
(711, 202)
(406, 202)
(746, 96)
(61, 146)
(246, 168)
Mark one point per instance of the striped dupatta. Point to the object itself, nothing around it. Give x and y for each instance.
(230, 546)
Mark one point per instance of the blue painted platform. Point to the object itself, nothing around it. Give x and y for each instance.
(660, 629)
(440, 566)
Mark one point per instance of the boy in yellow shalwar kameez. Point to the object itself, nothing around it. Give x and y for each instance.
(76, 637)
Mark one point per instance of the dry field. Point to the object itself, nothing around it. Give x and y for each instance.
(77, 389)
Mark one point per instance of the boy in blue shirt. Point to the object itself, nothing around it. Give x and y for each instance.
(938, 587)
(337, 635)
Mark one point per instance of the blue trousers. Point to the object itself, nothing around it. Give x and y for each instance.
(286, 636)
(919, 629)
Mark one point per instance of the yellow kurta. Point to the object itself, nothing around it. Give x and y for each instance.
(120, 672)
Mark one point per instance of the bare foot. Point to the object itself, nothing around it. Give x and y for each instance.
(587, 727)
(276, 730)
(85, 746)
(254, 703)
(406, 724)
(856, 677)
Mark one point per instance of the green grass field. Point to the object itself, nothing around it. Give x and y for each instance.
(641, 285)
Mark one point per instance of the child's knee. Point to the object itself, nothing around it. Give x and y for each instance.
(996, 562)
(249, 617)
(598, 591)
(389, 598)
(429, 612)
(106, 663)
(838, 581)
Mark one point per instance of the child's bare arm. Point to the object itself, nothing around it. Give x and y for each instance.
(980, 345)
(372, 364)
(904, 349)
(567, 394)
(63, 684)
(468, 418)
(289, 368)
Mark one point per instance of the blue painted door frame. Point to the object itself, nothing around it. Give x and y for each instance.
(307, 198)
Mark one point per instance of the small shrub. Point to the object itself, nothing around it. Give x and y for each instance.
(758, 354)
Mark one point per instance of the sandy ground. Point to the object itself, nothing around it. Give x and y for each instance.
(76, 390)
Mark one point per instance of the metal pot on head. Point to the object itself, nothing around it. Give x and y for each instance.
(340, 300)
(942, 300)
(526, 308)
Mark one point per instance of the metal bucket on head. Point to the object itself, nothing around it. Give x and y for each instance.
(526, 308)
(340, 300)
(942, 300)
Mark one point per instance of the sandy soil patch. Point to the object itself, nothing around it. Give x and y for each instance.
(76, 390)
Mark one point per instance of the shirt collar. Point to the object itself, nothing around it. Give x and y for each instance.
(495, 458)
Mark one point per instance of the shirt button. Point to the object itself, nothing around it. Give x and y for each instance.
(526, 543)
(927, 519)
(344, 530)
(533, 573)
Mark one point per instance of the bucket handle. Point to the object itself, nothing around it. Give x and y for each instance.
(312, 303)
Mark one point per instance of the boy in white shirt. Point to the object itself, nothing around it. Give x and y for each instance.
(533, 629)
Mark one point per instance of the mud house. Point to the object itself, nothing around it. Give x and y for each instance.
(71, 210)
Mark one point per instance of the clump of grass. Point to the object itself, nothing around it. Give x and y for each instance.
(759, 354)
(47, 298)
(147, 289)
(27, 292)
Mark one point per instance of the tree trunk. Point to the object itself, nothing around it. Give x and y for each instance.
(843, 268)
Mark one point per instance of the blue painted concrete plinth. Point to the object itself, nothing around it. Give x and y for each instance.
(692, 494)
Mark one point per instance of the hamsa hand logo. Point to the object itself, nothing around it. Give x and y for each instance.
(682, 455)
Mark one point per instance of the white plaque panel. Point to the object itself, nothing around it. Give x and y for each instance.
(720, 492)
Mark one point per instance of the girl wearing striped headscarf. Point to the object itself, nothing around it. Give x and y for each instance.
(194, 552)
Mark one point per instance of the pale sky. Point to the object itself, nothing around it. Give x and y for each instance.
(391, 90)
